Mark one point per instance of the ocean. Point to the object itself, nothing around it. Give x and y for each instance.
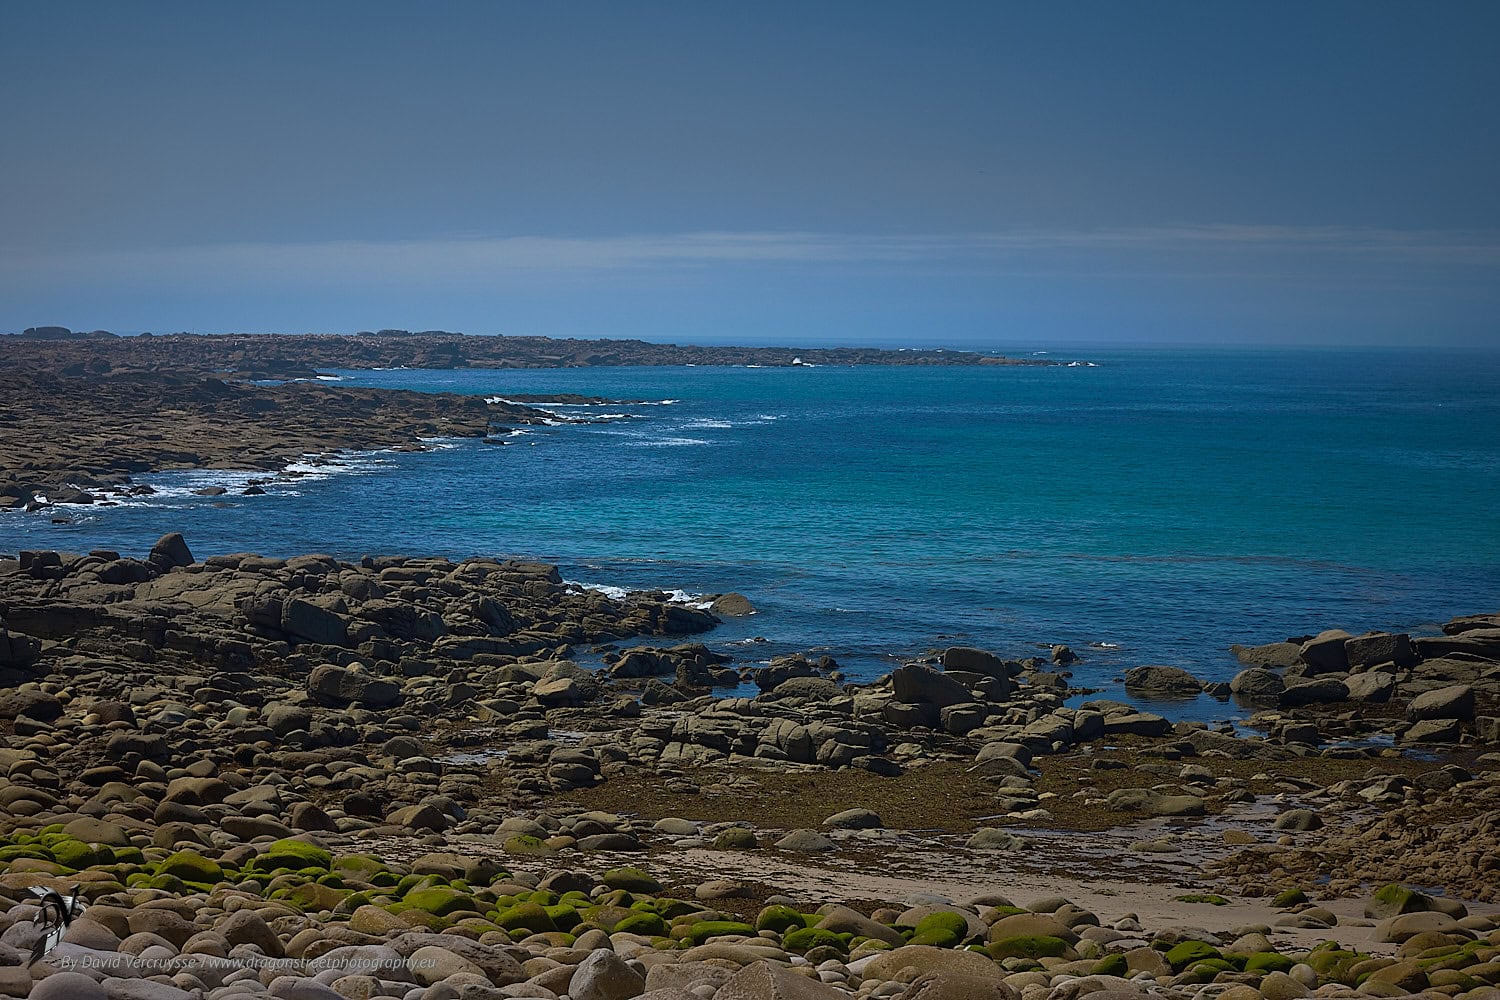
(1154, 508)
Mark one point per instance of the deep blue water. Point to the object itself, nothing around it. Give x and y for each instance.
(1166, 503)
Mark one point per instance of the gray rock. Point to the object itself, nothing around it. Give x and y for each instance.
(1372, 686)
(305, 621)
(764, 981)
(68, 986)
(1272, 654)
(605, 976)
(1324, 653)
(1151, 803)
(146, 989)
(1380, 647)
(916, 683)
(170, 552)
(819, 689)
(1432, 731)
(1299, 820)
(1136, 724)
(845, 920)
(990, 838)
(977, 661)
(1314, 690)
(805, 841)
(854, 819)
(298, 988)
(1257, 684)
(732, 605)
(1453, 702)
(341, 686)
(555, 691)
(1162, 680)
(685, 975)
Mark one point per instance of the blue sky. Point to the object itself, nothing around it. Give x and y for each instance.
(985, 174)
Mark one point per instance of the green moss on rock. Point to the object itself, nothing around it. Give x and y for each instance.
(779, 918)
(528, 916)
(944, 929)
(293, 855)
(564, 916)
(1028, 946)
(1111, 965)
(806, 938)
(630, 879)
(1186, 953)
(190, 866)
(439, 901)
(526, 845)
(705, 929)
(1268, 961)
(645, 924)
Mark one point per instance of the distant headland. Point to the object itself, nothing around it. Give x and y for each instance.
(277, 355)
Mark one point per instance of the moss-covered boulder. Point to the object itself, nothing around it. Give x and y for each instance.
(77, 855)
(779, 918)
(167, 883)
(440, 901)
(671, 908)
(1111, 965)
(564, 915)
(293, 855)
(374, 920)
(312, 896)
(128, 855)
(645, 924)
(631, 879)
(705, 929)
(943, 929)
(527, 917)
(604, 917)
(1332, 963)
(1395, 899)
(190, 866)
(1287, 898)
(806, 938)
(14, 852)
(363, 867)
(1186, 953)
(526, 845)
(735, 838)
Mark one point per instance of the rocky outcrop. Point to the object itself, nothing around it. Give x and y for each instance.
(1162, 681)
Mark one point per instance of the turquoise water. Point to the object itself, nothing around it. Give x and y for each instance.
(1164, 504)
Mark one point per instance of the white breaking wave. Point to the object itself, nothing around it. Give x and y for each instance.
(615, 593)
(682, 597)
(672, 442)
(691, 600)
(707, 424)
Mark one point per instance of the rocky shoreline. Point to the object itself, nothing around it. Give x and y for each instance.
(81, 413)
(415, 778)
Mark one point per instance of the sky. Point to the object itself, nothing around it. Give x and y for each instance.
(953, 174)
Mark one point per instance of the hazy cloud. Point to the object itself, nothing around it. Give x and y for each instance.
(466, 259)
